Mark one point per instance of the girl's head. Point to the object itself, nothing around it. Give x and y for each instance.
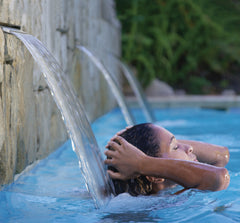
(154, 141)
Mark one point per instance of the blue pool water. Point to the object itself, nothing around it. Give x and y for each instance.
(54, 190)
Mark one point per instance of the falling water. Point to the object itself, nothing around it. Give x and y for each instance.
(134, 83)
(138, 92)
(113, 86)
(73, 114)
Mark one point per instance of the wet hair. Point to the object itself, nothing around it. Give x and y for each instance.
(144, 138)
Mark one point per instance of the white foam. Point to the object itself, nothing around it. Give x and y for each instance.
(126, 203)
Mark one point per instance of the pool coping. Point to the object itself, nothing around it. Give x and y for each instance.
(202, 101)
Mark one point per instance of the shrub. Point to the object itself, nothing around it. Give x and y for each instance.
(189, 44)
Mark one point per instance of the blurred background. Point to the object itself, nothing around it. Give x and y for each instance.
(191, 45)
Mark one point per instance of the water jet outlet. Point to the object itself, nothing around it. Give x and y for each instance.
(10, 25)
(8, 28)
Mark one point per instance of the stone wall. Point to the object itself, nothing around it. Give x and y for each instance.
(30, 123)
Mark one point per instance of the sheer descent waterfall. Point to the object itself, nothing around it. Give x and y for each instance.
(80, 132)
(137, 89)
(112, 84)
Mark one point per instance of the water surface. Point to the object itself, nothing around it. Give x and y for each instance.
(54, 190)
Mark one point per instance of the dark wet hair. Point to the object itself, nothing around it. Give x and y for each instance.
(144, 138)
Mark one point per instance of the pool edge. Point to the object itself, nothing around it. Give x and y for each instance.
(202, 101)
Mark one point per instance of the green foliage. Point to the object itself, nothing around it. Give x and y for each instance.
(189, 44)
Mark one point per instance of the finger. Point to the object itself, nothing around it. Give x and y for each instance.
(120, 140)
(116, 175)
(109, 162)
(113, 137)
(109, 153)
(112, 145)
(129, 127)
(121, 132)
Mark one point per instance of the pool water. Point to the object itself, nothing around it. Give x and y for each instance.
(54, 189)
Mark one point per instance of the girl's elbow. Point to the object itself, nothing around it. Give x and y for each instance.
(216, 181)
(223, 179)
(226, 156)
(223, 158)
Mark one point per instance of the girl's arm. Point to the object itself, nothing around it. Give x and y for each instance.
(131, 162)
(208, 153)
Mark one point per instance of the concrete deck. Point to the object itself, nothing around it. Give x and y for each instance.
(203, 101)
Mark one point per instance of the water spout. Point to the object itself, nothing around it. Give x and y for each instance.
(137, 89)
(6, 25)
(74, 116)
(113, 86)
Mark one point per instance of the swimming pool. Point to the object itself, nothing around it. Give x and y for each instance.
(54, 190)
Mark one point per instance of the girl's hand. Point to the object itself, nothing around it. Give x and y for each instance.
(125, 157)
